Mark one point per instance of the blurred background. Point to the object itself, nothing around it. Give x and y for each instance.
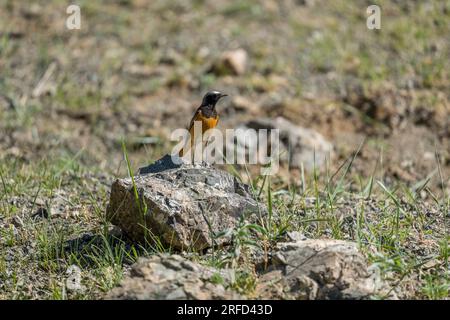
(137, 69)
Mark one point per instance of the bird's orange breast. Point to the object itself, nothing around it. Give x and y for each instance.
(207, 123)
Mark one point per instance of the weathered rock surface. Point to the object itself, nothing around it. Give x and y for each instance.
(171, 277)
(319, 269)
(298, 145)
(185, 206)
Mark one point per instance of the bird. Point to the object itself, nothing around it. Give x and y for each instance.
(206, 113)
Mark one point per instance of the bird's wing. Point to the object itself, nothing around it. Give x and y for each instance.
(194, 117)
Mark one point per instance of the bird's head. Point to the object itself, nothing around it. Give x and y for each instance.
(212, 97)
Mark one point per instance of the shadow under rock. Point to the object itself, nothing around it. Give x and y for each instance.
(89, 247)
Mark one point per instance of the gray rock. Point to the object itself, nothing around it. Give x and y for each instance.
(303, 145)
(183, 206)
(171, 277)
(295, 236)
(320, 269)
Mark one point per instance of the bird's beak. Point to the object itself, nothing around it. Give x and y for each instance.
(223, 95)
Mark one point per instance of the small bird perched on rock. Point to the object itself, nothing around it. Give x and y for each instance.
(206, 113)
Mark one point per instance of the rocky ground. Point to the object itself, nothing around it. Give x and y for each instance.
(70, 100)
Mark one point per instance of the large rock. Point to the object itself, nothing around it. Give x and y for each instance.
(320, 269)
(298, 145)
(171, 277)
(183, 206)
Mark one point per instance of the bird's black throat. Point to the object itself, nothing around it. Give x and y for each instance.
(209, 111)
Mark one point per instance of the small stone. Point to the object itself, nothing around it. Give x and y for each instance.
(232, 62)
(295, 236)
(17, 222)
